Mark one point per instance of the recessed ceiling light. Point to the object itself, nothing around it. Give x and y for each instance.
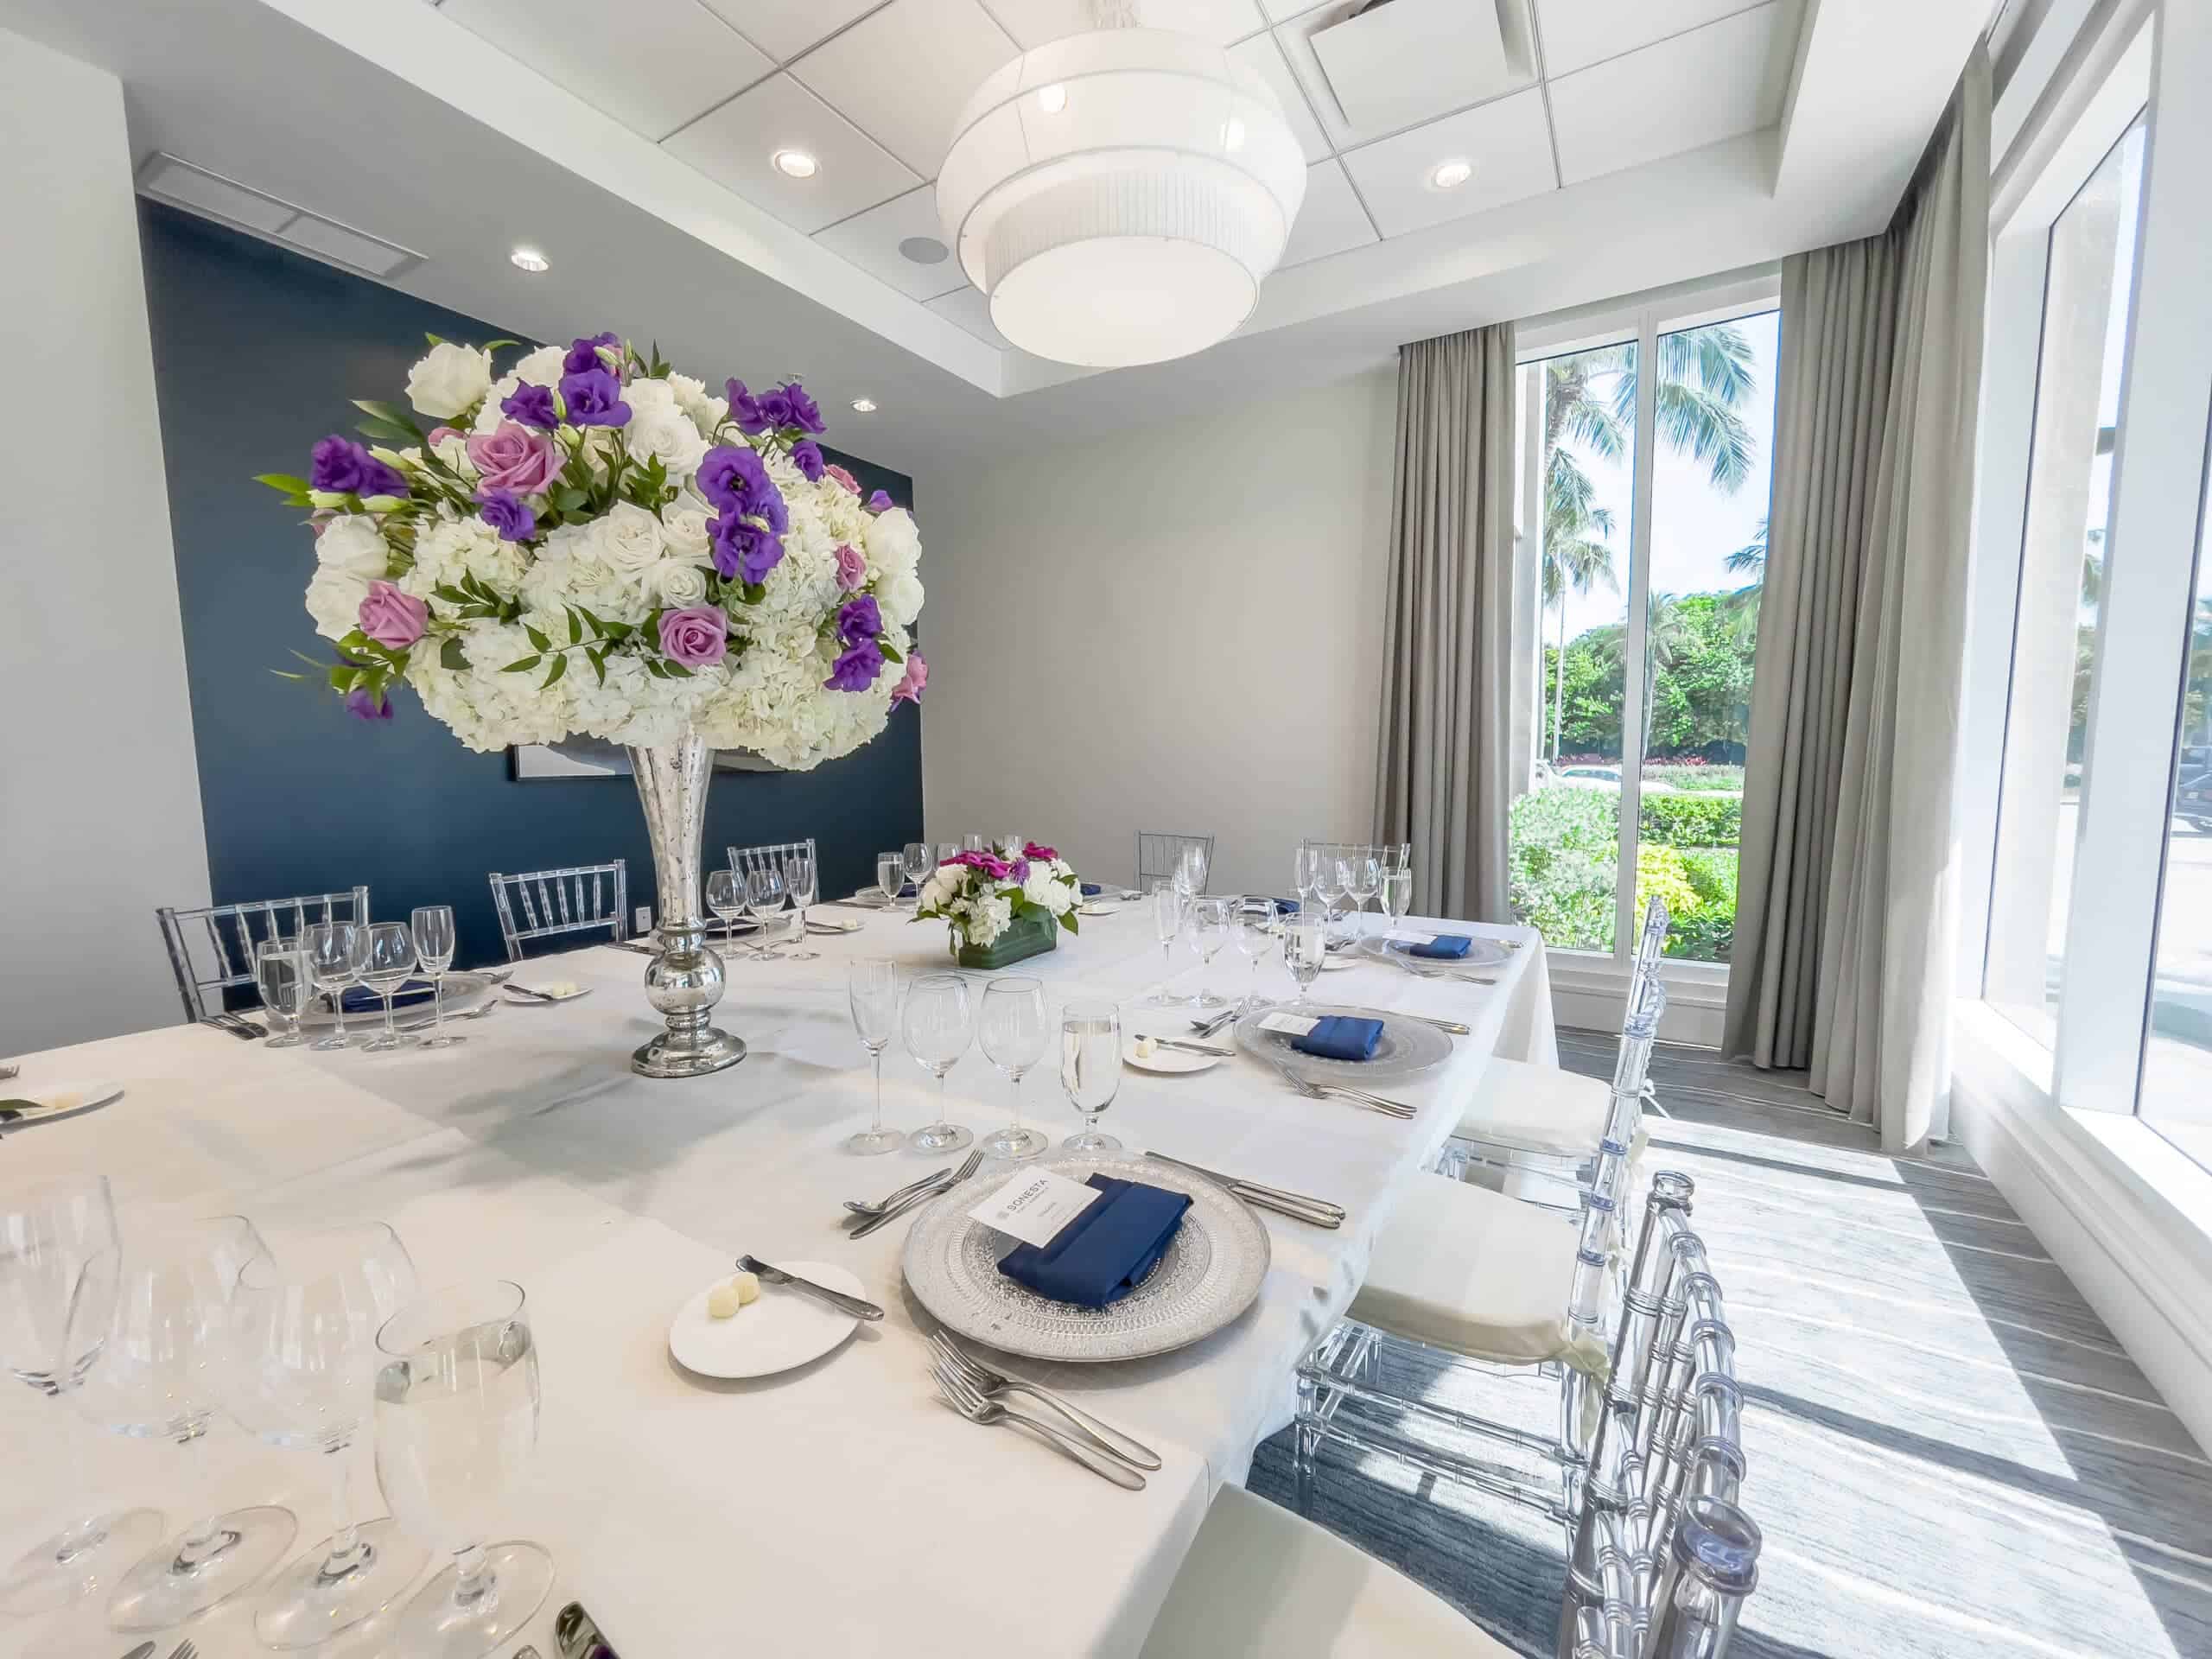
(924, 250)
(1450, 175)
(795, 165)
(863, 405)
(528, 259)
(1053, 99)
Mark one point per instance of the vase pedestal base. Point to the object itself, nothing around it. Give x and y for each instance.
(688, 1055)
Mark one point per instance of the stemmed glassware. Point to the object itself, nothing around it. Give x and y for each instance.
(1329, 876)
(1363, 873)
(304, 1323)
(938, 1022)
(1397, 893)
(872, 991)
(287, 985)
(947, 851)
(1305, 872)
(156, 1310)
(1191, 869)
(1012, 1031)
(799, 883)
(456, 1421)
(919, 863)
(1090, 1069)
(390, 959)
(47, 1234)
(432, 925)
(1211, 919)
(1304, 949)
(976, 843)
(1255, 935)
(1166, 924)
(764, 897)
(337, 951)
(726, 897)
(890, 876)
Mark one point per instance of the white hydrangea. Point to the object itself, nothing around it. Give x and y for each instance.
(454, 547)
(707, 413)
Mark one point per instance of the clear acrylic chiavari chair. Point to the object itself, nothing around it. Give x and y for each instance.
(1158, 853)
(585, 898)
(211, 948)
(781, 857)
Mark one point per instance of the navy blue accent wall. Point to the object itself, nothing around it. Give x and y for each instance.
(258, 353)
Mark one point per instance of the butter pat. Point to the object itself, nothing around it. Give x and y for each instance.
(1146, 1047)
(746, 1288)
(723, 1301)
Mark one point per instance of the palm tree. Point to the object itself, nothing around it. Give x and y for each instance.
(1751, 555)
(1572, 558)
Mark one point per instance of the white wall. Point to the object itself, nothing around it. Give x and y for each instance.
(1177, 628)
(99, 791)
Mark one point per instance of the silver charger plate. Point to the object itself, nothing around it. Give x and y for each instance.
(1408, 1047)
(1211, 1273)
(464, 990)
(1481, 953)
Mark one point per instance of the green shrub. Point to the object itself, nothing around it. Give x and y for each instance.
(1711, 871)
(1701, 820)
(1565, 852)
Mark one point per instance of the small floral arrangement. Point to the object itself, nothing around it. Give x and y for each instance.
(981, 894)
(591, 543)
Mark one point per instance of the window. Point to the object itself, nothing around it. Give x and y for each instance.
(1648, 596)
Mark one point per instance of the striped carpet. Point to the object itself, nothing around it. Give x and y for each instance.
(1949, 1454)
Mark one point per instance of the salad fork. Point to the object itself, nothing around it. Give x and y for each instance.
(990, 1384)
(1314, 1091)
(973, 1162)
(962, 1396)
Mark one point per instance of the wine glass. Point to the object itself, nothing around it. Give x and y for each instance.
(1012, 1030)
(799, 883)
(890, 876)
(47, 1234)
(1329, 873)
(975, 844)
(1254, 934)
(1090, 1069)
(390, 959)
(435, 942)
(872, 993)
(304, 1326)
(1363, 876)
(1305, 872)
(287, 985)
(336, 953)
(938, 1023)
(157, 1311)
(1305, 949)
(1166, 924)
(726, 897)
(456, 1421)
(1211, 918)
(1190, 869)
(919, 862)
(764, 897)
(947, 851)
(1400, 857)
(1397, 893)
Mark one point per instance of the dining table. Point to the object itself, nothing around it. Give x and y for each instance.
(836, 1509)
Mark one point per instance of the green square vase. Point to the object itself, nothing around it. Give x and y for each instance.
(1031, 934)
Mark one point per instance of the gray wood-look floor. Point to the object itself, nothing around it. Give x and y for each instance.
(1949, 1454)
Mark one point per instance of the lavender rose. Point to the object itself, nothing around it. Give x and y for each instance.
(859, 620)
(695, 637)
(910, 683)
(852, 567)
(362, 705)
(515, 458)
(506, 512)
(856, 670)
(395, 620)
(846, 481)
(806, 455)
(343, 466)
(533, 405)
(595, 398)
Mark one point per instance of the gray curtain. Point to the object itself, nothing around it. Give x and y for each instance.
(1444, 779)
(1846, 905)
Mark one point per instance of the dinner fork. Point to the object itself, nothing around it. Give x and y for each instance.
(968, 1166)
(990, 1384)
(963, 1397)
(1314, 1091)
(183, 1650)
(862, 1207)
(1446, 973)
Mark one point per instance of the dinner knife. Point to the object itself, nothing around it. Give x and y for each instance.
(577, 1635)
(837, 1298)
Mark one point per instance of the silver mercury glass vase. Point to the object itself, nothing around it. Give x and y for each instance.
(685, 981)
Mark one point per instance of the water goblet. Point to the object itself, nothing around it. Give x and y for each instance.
(919, 862)
(1190, 869)
(1397, 893)
(890, 876)
(1210, 918)
(1304, 949)
(456, 1421)
(872, 993)
(432, 926)
(799, 883)
(938, 1023)
(764, 897)
(1012, 1030)
(726, 897)
(390, 959)
(287, 985)
(337, 951)
(1166, 924)
(1090, 1069)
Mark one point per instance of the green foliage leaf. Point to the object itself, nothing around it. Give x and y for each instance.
(890, 651)
(283, 483)
(560, 667)
(450, 655)
(576, 628)
(538, 639)
(520, 664)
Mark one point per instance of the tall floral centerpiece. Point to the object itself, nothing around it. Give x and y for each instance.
(589, 543)
(1002, 905)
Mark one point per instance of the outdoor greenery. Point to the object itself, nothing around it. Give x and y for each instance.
(1697, 674)
(1565, 855)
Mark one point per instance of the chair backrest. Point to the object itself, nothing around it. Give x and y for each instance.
(743, 860)
(1159, 852)
(211, 948)
(581, 899)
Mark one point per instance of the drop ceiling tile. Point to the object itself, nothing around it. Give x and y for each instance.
(1033, 23)
(1282, 10)
(1261, 53)
(903, 74)
(783, 29)
(657, 65)
(1331, 219)
(1578, 33)
(1695, 89)
(1479, 83)
(733, 147)
(871, 240)
(1506, 141)
(967, 308)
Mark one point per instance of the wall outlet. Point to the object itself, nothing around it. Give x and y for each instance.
(644, 918)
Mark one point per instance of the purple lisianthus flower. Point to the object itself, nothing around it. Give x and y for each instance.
(533, 405)
(1033, 850)
(852, 567)
(880, 503)
(595, 398)
(799, 409)
(362, 705)
(776, 407)
(806, 455)
(856, 671)
(742, 551)
(745, 408)
(508, 513)
(695, 637)
(583, 355)
(732, 478)
(343, 466)
(392, 618)
(859, 620)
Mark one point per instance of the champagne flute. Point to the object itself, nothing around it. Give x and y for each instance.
(303, 1323)
(764, 897)
(1090, 1069)
(890, 876)
(287, 984)
(919, 862)
(1012, 1030)
(1397, 893)
(390, 959)
(726, 897)
(1305, 949)
(435, 942)
(938, 1023)
(336, 951)
(1166, 923)
(456, 1421)
(1211, 920)
(872, 993)
(1305, 872)
(799, 882)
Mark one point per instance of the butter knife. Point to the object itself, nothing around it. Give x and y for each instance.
(577, 1635)
(837, 1298)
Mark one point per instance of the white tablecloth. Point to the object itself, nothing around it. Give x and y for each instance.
(836, 1510)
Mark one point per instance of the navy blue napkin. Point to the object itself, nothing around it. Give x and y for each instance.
(1091, 889)
(1098, 1258)
(1286, 907)
(1341, 1037)
(359, 999)
(1450, 946)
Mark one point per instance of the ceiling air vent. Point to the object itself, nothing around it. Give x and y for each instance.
(213, 196)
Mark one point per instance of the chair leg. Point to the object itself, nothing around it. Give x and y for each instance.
(1306, 1443)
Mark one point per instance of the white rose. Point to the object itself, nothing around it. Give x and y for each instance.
(684, 530)
(452, 449)
(707, 413)
(678, 585)
(893, 544)
(451, 379)
(644, 393)
(334, 599)
(542, 367)
(629, 541)
(901, 598)
(665, 431)
(353, 546)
